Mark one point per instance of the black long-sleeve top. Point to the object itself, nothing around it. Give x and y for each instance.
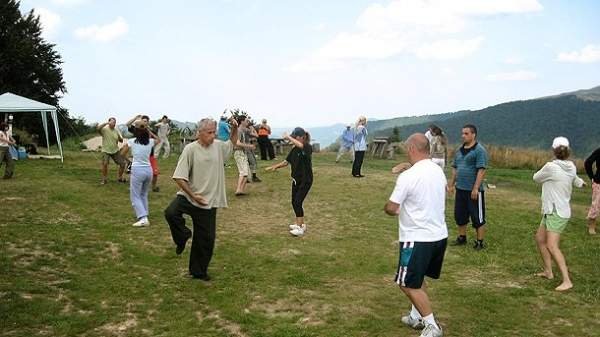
(594, 158)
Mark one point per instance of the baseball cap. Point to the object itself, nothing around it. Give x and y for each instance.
(560, 141)
(298, 132)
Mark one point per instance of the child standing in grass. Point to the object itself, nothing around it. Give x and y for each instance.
(557, 178)
(300, 160)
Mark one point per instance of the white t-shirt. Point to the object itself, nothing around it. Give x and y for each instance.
(163, 129)
(421, 193)
(141, 153)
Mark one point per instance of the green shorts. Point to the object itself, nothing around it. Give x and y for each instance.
(554, 223)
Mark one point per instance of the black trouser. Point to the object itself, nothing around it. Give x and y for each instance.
(5, 157)
(203, 237)
(265, 147)
(358, 161)
(299, 191)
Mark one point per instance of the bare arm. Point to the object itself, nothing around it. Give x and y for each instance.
(124, 149)
(101, 126)
(478, 181)
(129, 122)
(185, 187)
(391, 208)
(294, 141)
(277, 166)
(452, 181)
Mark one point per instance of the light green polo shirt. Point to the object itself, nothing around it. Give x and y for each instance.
(110, 139)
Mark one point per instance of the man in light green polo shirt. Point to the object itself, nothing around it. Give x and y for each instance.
(200, 176)
(111, 137)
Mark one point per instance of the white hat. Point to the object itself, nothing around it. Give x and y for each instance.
(560, 141)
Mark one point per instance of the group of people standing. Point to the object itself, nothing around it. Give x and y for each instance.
(144, 147)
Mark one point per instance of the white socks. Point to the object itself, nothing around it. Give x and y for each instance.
(414, 313)
(430, 320)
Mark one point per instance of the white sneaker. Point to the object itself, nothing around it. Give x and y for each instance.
(415, 323)
(141, 223)
(297, 231)
(294, 226)
(431, 331)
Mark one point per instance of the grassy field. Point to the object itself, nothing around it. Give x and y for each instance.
(72, 265)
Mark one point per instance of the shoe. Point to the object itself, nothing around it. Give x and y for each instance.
(122, 180)
(156, 189)
(358, 176)
(256, 180)
(297, 231)
(459, 242)
(204, 277)
(180, 248)
(415, 323)
(141, 223)
(478, 245)
(103, 182)
(431, 331)
(294, 226)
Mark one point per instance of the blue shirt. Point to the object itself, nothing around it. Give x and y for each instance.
(224, 131)
(467, 162)
(347, 138)
(360, 138)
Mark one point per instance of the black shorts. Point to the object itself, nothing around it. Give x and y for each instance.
(465, 208)
(417, 260)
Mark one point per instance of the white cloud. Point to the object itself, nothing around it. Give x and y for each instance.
(520, 75)
(49, 20)
(589, 54)
(105, 33)
(419, 27)
(513, 60)
(450, 49)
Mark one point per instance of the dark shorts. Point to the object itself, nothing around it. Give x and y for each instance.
(417, 260)
(466, 209)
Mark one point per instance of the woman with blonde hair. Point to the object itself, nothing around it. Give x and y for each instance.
(360, 146)
(557, 178)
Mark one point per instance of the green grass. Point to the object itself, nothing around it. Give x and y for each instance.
(72, 265)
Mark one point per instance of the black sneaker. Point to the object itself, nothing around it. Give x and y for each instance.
(204, 277)
(478, 245)
(459, 242)
(256, 180)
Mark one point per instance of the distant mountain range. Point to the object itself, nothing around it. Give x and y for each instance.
(529, 123)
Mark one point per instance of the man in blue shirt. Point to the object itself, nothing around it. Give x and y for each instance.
(346, 144)
(224, 129)
(468, 170)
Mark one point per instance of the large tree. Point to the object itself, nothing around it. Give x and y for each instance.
(30, 66)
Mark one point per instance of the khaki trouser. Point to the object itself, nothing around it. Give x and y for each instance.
(5, 157)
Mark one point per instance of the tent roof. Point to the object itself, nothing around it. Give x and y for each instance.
(10, 102)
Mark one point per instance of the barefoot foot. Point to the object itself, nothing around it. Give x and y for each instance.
(544, 274)
(564, 286)
(592, 231)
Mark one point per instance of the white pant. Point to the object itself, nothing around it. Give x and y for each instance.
(167, 145)
(439, 161)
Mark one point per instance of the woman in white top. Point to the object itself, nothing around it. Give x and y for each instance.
(141, 171)
(557, 178)
(5, 142)
(360, 146)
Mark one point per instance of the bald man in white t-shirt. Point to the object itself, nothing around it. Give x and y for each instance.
(419, 202)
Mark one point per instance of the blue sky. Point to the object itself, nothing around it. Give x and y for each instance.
(314, 63)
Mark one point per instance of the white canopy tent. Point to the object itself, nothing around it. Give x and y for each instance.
(11, 103)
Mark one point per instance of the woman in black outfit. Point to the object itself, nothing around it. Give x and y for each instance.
(300, 160)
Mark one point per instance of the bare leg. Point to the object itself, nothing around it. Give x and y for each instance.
(121, 170)
(104, 171)
(462, 230)
(480, 232)
(419, 298)
(592, 226)
(552, 241)
(540, 240)
(241, 185)
(299, 220)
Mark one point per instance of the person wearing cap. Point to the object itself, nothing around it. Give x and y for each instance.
(557, 178)
(360, 146)
(468, 171)
(300, 161)
(266, 147)
(346, 144)
(594, 211)
(163, 128)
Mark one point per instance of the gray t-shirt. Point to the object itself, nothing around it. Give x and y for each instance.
(203, 168)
